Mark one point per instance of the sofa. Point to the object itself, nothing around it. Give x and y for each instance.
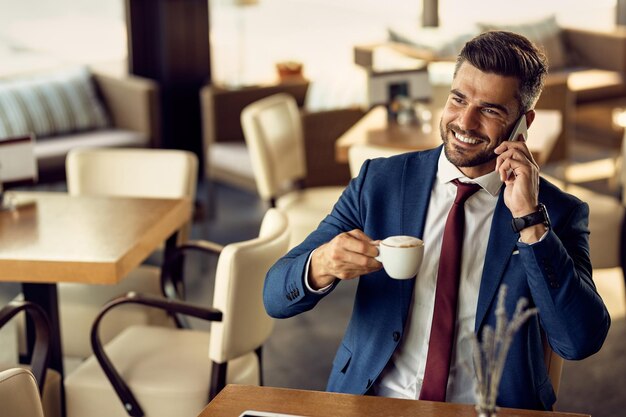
(589, 64)
(226, 156)
(75, 107)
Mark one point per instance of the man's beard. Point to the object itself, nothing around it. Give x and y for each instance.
(458, 157)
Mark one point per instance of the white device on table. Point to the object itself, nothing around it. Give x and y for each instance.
(252, 413)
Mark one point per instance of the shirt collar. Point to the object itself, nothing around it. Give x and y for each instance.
(446, 172)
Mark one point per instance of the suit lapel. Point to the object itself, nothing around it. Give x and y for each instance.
(502, 241)
(419, 172)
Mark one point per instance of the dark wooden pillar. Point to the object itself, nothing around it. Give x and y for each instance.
(168, 41)
(620, 12)
(430, 13)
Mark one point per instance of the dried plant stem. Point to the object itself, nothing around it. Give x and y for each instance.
(490, 355)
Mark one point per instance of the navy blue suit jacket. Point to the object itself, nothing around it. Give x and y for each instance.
(390, 197)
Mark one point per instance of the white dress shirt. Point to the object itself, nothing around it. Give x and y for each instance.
(403, 375)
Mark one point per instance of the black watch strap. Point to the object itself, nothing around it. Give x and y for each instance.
(537, 217)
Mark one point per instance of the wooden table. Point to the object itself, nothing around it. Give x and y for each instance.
(234, 399)
(373, 129)
(91, 240)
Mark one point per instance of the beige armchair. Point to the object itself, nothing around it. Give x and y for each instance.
(19, 395)
(226, 154)
(274, 137)
(157, 371)
(148, 173)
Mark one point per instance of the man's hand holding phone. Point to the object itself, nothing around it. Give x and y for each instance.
(518, 170)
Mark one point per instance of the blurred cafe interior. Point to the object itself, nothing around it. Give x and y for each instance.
(126, 167)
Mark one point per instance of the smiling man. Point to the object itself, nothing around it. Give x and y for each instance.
(518, 230)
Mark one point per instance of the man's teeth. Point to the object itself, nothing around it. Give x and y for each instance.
(465, 139)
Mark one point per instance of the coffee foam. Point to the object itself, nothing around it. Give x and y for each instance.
(402, 241)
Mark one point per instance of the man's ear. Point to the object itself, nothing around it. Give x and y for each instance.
(530, 117)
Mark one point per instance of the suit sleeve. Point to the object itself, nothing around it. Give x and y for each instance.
(571, 312)
(284, 292)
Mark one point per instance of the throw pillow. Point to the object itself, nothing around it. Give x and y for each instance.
(442, 44)
(545, 33)
(53, 104)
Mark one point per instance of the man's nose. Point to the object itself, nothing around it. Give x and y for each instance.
(469, 119)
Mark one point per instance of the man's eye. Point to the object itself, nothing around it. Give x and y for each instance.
(491, 112)
(457, 100)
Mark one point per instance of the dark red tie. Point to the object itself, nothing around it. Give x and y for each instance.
(446, 298)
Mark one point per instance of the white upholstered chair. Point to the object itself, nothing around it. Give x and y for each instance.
(19, 396)
(273, 131)
(16, 397)
(226, 156)
(150, 173)
(163, 372)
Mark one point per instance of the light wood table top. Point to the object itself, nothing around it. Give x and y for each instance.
(373, 129)
(86, 239)
(96, 240)
(234, 399)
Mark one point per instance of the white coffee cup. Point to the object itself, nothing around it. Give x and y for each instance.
(401, 256)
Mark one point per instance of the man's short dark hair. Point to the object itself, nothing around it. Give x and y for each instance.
(508, 54)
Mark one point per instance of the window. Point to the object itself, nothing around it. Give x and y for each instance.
(39, 34)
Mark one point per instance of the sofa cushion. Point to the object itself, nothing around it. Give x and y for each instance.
(51, 104)
(545, 33)
(439, 43)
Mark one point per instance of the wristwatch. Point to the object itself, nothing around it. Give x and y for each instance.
(539, 216)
